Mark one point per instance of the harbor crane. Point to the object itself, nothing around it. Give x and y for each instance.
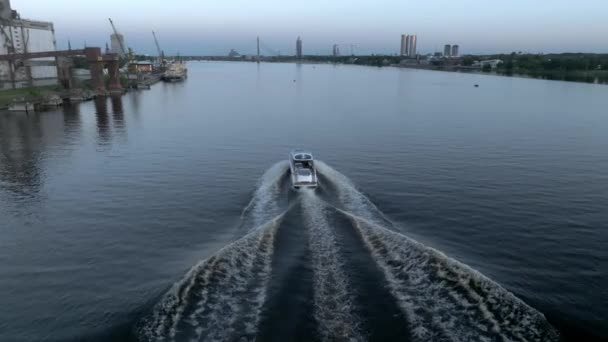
(161, 53)
(128, 55)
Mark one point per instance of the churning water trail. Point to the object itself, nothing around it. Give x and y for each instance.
(351, 199)
(264, 203)
(220, 298)
(442, 299)
(334, 304)
(445, 300)
(225, 297)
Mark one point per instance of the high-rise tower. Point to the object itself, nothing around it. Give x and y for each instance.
(455, 50)
(447, 50)
(299, 48)
(336, 50)
(403, 51)
(408, 45)
(412, 43)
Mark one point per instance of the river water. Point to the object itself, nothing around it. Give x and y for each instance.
(445, 212)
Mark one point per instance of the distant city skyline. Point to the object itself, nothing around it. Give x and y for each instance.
(195, 28)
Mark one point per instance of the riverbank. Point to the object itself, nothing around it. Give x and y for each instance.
(39, 99)
(26, 94)
(584, 68)
(595, 77)
(47, 97)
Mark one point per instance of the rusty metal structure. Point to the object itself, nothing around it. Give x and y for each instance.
(97, 61)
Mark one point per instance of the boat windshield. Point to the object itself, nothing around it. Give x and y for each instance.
(302, 156)
(304, 172)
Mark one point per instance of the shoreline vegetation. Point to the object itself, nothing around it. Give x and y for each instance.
(572, 67)
(27, 94)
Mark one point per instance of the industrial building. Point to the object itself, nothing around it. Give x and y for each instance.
(117, 41)
(19, 35)
(234, 54)
(299, 48)
(144, 66)
(408, 46)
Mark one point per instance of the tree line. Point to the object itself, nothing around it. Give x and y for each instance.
(565, 62)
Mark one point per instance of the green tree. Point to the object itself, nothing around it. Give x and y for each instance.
(468, 61)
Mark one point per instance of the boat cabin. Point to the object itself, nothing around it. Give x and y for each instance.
(303, 172)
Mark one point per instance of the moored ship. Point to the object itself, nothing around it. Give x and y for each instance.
(176, 72)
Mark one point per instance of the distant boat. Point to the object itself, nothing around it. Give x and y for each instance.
(303, 172)
(21, 106)
(176, 72)
(52, 101)
(142, 85)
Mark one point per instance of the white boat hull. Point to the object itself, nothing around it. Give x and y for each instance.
(302, 169)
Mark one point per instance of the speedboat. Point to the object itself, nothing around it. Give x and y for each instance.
(302, 167)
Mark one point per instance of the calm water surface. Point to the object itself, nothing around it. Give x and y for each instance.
(445, 211)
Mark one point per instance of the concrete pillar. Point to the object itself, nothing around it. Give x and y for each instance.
(114, 85)
(97, 82)
(96, 65)
(65, 73)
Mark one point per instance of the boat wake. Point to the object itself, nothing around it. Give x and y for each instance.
(334, 309)
(229, 296)
(221, 297)
(264, 203)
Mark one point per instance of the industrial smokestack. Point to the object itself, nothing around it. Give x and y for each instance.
(5, 10)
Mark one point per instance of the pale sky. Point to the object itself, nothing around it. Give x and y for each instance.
(212, 27)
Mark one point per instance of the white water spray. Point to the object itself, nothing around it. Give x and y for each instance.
(264, 203)
(219, 293)
(443, 299)
(334, 304)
